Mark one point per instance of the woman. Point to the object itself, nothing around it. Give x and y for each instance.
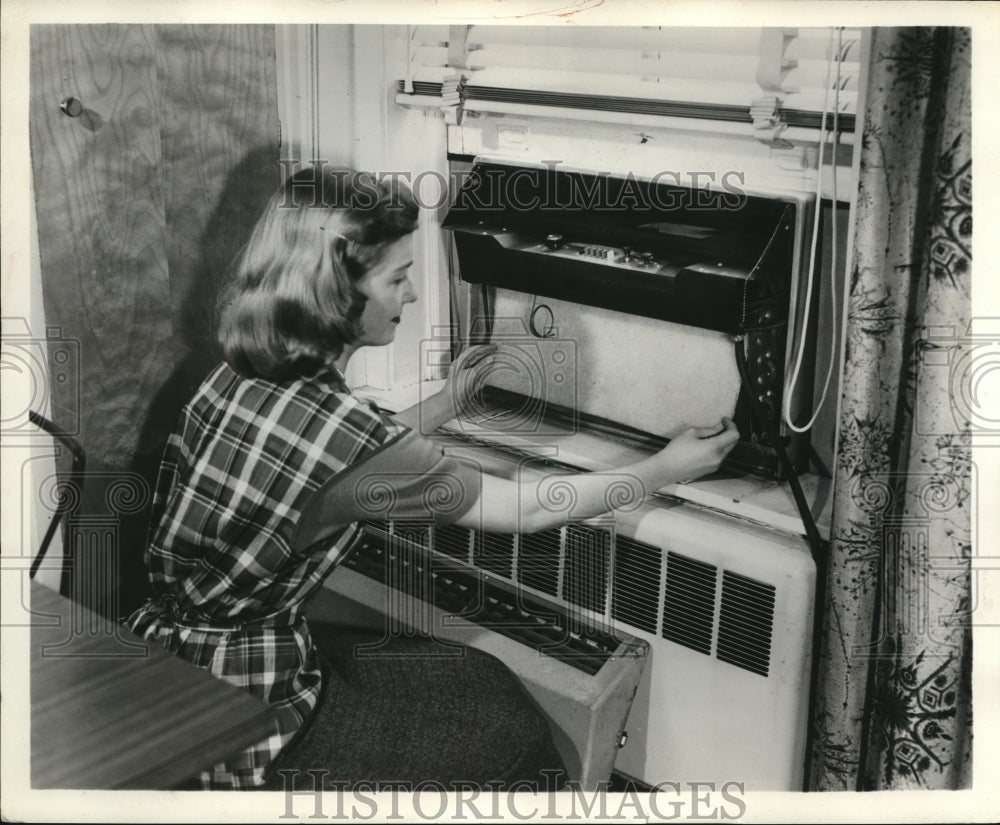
(262, 486)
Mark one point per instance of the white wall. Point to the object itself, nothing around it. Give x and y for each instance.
(336, 104)
(28, 454)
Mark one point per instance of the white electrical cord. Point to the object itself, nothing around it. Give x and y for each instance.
(794, 377)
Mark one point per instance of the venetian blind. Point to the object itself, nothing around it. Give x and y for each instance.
(715, 74)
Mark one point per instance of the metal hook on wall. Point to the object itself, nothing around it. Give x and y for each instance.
(73, 107)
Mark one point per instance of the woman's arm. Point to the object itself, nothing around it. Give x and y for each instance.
(426, 416)
(412, 479)
(528, 506)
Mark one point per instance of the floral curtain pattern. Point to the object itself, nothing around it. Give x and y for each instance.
(893, 709)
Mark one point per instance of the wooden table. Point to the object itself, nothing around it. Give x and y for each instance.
(109, 710)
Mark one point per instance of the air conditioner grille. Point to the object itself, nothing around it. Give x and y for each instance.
(635, 596)
(494, 552)
(413, 531)
(586, 580)
(746, 620)
(465, 592)
(689, 602)
(368, 555)
(538, 561)
(452, 541)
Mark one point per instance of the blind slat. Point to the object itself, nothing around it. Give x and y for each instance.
(811, 74)
(719, 41)
(815, 44)
(430, 56)
(689, 89)
(692, 65)
(430, 34)
(808, 73)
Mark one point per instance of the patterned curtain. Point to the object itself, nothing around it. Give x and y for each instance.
(894, 702)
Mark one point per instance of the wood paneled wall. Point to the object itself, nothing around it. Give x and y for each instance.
(100, 202)
(142, 202)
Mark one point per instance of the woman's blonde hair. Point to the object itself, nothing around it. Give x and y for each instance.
(292, 302)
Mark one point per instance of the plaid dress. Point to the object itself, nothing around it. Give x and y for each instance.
(229, 585)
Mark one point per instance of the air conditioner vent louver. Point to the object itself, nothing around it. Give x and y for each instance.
(368, 555)
(635, 596)
(538, 561)
(586, 578)
(689, 602)
(452, 541)
(746, 619)
(494, 552)
(461, 591)
(415, 532)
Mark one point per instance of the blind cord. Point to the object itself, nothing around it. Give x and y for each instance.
(794, 377)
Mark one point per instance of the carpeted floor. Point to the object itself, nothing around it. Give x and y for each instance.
(413, 710)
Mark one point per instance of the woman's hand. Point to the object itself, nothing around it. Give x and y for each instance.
(697, 452)
(467, 375)
(465, 379)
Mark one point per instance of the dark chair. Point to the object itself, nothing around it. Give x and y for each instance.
(75, 474)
